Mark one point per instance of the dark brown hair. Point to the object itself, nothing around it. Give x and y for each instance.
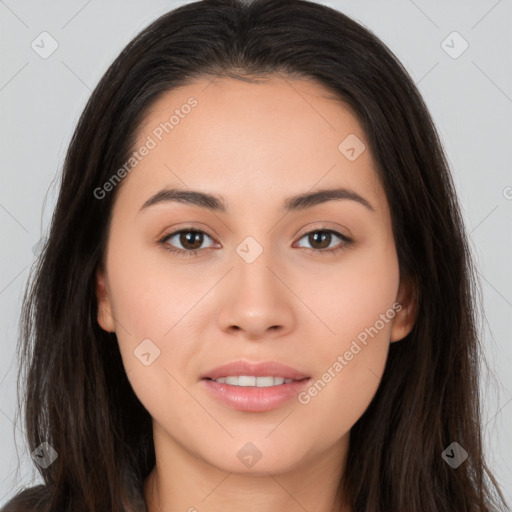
(76, 393)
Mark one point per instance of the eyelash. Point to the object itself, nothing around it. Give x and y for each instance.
(346, 242)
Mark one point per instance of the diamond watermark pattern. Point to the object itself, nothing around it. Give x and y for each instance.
(249, 249)
(44, 45)
(249, 455)
(351, 147)
(146, 352)
(454, 455)
(454, 45)
(44, 455)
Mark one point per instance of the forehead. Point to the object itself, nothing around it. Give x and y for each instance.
(277, 137)
(281, 104)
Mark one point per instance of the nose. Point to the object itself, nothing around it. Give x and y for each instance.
(258, 302)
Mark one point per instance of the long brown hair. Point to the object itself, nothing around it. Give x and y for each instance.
(76, 393)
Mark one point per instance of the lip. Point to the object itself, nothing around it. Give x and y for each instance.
(253, 398)
(263, 369)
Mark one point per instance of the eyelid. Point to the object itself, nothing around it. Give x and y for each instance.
(315, 226)
(323, 226)
(183, 227)
(347, 240)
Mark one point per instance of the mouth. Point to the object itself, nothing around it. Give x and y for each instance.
(245, 373)
(254, 381)
(253, 387)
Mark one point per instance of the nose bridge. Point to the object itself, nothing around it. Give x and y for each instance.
(254, 262)
(257, 298)
(258, 252)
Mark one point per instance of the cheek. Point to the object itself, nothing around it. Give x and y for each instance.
(357, 305)
(350, 294)
(156, 322)
(161, 308)
(151, 293)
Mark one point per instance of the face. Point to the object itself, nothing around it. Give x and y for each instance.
(311, 285)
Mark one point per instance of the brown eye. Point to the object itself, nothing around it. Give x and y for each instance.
(318, 238)
(321, 239)
(190, 240)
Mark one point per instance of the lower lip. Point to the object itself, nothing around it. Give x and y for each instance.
(252, 398)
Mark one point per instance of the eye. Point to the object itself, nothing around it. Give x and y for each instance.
(192, 240)
(318, 237)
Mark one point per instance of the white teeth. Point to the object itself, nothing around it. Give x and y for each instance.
(249, 380)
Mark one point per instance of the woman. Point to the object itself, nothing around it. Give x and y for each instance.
(255, 372)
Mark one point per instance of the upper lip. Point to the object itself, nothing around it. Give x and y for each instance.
(263, 369)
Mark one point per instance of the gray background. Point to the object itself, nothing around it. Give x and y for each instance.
(469, 97)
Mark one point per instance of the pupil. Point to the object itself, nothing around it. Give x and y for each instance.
(189, 238)
(319, 234)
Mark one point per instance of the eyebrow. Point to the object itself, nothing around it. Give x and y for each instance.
(216, 203)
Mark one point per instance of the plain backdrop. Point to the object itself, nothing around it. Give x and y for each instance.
(467, 90)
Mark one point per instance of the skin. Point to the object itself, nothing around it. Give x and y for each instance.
(256, 145)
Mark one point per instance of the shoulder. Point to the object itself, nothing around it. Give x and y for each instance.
(29, 499)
